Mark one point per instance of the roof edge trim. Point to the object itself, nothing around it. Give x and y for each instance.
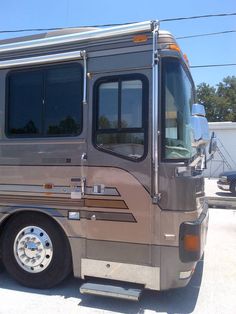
(76, 37)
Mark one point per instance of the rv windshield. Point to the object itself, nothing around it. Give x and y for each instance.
(177, 100)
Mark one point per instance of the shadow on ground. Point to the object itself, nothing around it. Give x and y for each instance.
(225, 194)
(173, 301)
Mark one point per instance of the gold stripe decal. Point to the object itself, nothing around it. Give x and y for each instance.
(41, 201)
(103, 203)
(61, 201)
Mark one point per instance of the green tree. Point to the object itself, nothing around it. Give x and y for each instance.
(220, 101)
(227, 93)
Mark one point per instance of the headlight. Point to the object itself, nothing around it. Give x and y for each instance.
(223, 179)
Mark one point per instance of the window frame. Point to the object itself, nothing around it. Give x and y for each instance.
(145, 110)
(43, 68)
(162, 108)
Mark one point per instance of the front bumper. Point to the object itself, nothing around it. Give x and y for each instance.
(223, 185)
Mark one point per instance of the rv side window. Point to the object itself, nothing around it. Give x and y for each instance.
(120, 116)
(44, 102)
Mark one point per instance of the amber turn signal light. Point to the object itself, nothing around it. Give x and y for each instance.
(48, 186)
(191, 242)
(174, 47)
(140, 38)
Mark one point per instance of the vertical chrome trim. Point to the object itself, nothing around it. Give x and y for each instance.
(155, 160)
(83, 174)
(83, 53)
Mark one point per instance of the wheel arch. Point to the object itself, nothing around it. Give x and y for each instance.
(44, 212)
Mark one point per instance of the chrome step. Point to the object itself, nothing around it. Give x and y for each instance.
(114, 291)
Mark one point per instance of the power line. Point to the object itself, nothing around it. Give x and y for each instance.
(59, 28)
(179, 38)
(197, 17)
(213, 65)
(206, 34)
(35, 29)
(118, 24)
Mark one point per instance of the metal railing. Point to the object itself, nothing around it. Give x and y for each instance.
(224, 160)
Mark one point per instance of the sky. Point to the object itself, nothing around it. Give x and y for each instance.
(218, 49)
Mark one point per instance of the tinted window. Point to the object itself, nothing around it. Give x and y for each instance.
(131, 104)
(177, 93)
(108, 106)
(25, 103)
(45, 101)
(120, 117)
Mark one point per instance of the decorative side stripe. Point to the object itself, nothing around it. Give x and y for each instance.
(65, 202)
(102, 203)
(108, 216)
(41, 201)
(12, 188)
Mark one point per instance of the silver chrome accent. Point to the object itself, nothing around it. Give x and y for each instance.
(146, 275)
(99, 189)
(42, 59)
(169, 237)
(155, 160)
(21, 189)
(186, 274)
(199, 126)
(83, 53)
(76, 37)
(74, 215)
(33, 249)
(83, 158)
(83, 186)
(121, 292)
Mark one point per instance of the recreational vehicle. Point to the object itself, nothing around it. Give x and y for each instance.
(100, 165)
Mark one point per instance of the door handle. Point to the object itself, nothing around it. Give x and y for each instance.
(83, 177)
(84, 157)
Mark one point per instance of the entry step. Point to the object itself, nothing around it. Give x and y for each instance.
(110, 290)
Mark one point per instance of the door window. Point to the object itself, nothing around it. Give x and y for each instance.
(121, 110)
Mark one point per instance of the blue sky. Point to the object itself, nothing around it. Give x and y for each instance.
(15, 14)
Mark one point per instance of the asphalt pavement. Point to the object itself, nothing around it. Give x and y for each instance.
(218, 198)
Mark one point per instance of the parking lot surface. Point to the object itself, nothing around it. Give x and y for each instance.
(211, 290)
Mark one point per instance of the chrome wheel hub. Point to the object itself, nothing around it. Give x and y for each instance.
(33, 249)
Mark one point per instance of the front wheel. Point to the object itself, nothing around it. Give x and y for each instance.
(35, 251)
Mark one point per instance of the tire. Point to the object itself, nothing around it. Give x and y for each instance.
(233, 188)
(35, 252)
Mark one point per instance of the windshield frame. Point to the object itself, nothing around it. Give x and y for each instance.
(162, 107)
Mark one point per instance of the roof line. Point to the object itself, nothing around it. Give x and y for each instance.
(76, 37)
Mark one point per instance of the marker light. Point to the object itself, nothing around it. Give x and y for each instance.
(186, 59)
(191, 242)
(174, 47)
(140, 38)
(48, 186)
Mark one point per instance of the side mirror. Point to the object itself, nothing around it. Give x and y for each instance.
(199, 125)
(213, 144)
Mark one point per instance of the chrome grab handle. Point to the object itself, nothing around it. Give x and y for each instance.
(84, 157)
(83, 185)
(83, 177)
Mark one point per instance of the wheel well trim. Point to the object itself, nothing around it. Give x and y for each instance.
(13, 211)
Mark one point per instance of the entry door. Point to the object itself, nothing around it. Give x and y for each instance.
(119, 167)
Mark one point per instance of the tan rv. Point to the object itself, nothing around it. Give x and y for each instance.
(100, 170)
